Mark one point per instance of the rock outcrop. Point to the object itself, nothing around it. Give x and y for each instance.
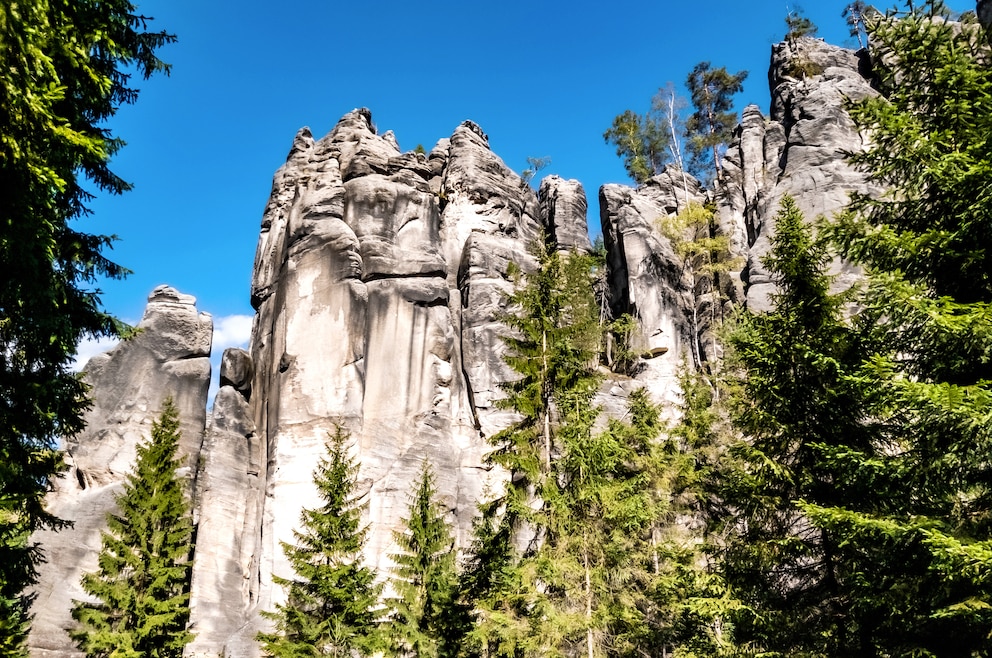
(228, 500)
(799, 150)
(379, 282)
(647, 279)
(169, 356)
(379, 279)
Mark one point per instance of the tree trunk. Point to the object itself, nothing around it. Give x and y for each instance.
(585, 563)
(547, 403)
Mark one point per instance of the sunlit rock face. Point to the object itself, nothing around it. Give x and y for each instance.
(380, 281)
(799, 150)
(648, 280)
(228, 505)
(168, 357)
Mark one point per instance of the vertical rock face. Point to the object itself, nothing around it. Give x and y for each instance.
(228, 488)
(646, 278)
(798, 151)
(379, 282)
(169, 356)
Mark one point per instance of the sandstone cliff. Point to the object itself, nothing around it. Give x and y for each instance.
(168, 356)
(379, 280)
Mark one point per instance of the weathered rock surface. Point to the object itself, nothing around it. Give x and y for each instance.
(798, 151)
(228, 496)
(646, 277)
(379, 282)
(169, 356)
(563, 208)
(379, 279)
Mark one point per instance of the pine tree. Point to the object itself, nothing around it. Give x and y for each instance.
(800, 406)
(141, 590)
(331, 607)
(66, 69)
(556, 335)
(424, 577)
(562, 560)
(925, 245)
(798, 25)
(643, 142)
(709, 127)
(854, 15)
(693, 604)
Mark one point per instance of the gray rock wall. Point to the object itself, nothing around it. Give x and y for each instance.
(798, 150)
(379, 281)
(169, 356)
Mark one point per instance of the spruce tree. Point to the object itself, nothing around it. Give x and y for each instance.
(331, 606)
(924, 243)
(424, 577)
(66, 69)
(561, 563)
(800, 408)
(141, 590)
(694, 606)
(709, 127)
(553, 346)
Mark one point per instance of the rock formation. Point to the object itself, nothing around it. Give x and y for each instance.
(168, 356)
(380, 278)
(798, 151)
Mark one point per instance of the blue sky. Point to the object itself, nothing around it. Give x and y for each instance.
(543, 79)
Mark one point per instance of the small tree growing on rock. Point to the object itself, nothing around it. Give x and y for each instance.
(709, 127)
(141, 589)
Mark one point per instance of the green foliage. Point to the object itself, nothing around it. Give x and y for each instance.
(648, 142)
(421, 623)
(534, 165)
(620, 354)
(710, 126)
(926, 310)
(65, 71)
(801, 67)
(689, 605)
(642, 141)
(798, 25)
(854, 15)
(332, 599)
(561, 561)
(800, 407)
(705, 253)
(141, 590)
(694, 237)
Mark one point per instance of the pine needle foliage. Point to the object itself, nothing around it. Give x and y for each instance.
(924, 243)
(800, 406)
(553, 346)
(64, 71)
(642, 140)
(561, 564)
(424, 577)
(712, 122)
(694, 606)
(332, 599)
(141, 589)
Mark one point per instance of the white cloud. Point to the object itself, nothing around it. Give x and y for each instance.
(231, 331)
(90, 347)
